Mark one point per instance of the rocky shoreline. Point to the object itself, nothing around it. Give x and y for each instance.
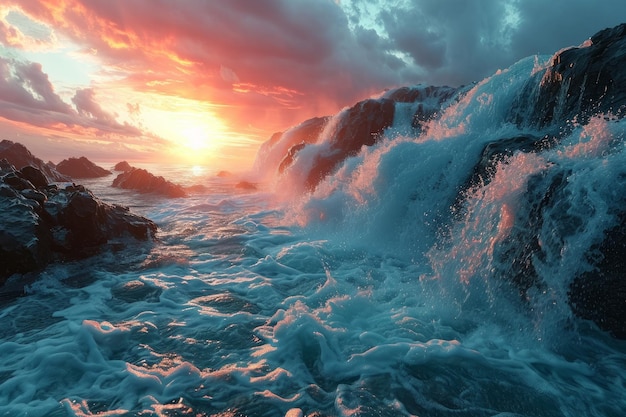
(42, 222)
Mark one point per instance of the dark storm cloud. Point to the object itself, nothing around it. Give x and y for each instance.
(547, 26)
(453, 42)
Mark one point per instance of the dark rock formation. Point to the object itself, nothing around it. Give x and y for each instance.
(360, 125)
(279, 150)
(20, 157)
(122, 166)
(143, 181)
(40, 224)
(600, 295)
(291, 154)
(579, 83)
(35, 176)
(355, 127)
(430, 100)
(81, 168)
(492, 154)
(299, 136)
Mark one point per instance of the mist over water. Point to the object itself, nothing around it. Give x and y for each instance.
(383, 292)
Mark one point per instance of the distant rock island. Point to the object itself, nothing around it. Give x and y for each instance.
(141, 180)
(122, 166)
(81, 168)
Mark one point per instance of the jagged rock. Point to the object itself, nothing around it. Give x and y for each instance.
(355, 127)
(291, 154)
(81, 168)
(122, 166)
(35, 176)
(600, 295)
(279, 150)
(579, 83)
(303, 134)
(143, 181)
(19, 156)
(42, 224)
(492, 154)
(430, 100)
(360, 125)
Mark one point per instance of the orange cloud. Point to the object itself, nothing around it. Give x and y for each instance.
(238, 54)
(263, 66)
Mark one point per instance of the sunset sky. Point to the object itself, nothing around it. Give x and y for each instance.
(207, 81)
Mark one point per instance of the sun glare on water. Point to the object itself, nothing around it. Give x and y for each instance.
(197, 170)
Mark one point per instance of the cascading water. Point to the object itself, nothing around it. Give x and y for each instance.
(435, 264)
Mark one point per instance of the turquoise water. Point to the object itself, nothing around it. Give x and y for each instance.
(367, 297)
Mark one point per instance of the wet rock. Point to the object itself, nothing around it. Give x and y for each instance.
(429, 98)
(24, 243)
(291, 154)
(600, 295)
(280, 149)
(494, 153)
(145, 182)
(44, 224)
(579, 83)
(360, 125)
(81, 168)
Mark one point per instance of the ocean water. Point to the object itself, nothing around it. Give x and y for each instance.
(371, 296)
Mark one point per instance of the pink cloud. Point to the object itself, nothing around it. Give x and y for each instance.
(9, 35)
(300, 59)
(27, 96)
(270, 64)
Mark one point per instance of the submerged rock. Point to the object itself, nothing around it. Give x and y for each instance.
(145, 182)
(600, 295)
(40, 224)
(246, 185)
(81, 168)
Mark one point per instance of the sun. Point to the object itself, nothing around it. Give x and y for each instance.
(196, 138)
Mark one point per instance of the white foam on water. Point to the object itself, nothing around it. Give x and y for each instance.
(368, 297)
